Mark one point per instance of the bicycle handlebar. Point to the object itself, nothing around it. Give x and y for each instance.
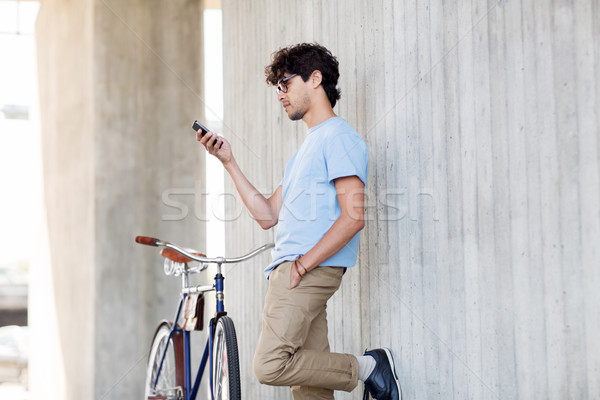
(148, 241)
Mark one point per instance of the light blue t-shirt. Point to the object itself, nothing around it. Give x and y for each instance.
(331, 150)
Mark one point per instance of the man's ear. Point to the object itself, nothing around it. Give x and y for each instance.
(316, 78)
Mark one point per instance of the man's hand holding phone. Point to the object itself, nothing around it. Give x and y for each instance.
(214, 144)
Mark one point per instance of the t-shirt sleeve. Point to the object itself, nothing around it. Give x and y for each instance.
(346, 154)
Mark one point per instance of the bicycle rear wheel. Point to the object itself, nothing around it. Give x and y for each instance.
(170, 384)
(226, 367)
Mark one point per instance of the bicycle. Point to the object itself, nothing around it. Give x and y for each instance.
(168, 372)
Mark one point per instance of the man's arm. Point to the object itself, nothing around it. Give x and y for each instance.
(264, 210)
(350, 195)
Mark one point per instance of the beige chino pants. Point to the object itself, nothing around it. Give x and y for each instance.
(293, 348)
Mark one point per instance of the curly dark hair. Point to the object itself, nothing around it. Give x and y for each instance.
(303, 59)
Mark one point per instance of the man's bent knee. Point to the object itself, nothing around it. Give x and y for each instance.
(268, 370)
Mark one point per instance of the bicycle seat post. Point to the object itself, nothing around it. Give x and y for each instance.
(184, 278)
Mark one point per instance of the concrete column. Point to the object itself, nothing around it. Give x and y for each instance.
(120, 85)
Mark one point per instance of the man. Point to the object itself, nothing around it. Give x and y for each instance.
(319, 209)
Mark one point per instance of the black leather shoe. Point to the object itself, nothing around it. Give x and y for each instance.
(383, 383)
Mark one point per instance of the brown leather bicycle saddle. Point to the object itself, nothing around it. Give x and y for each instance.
(178, 257)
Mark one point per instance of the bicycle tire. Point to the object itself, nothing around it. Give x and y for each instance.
(171, 381)
(226, 366)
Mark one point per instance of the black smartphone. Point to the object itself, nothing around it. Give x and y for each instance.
(197, 126)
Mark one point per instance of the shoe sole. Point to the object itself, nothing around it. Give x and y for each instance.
(388, 353)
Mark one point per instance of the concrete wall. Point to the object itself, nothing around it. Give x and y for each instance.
(479, 261)
(120, 85)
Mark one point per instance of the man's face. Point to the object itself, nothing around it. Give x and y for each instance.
(296, 100)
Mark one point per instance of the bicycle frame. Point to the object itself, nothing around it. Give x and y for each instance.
(220, 311)
(190, 392)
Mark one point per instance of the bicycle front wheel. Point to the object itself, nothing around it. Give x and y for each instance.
(166, 382)
(226, 367)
